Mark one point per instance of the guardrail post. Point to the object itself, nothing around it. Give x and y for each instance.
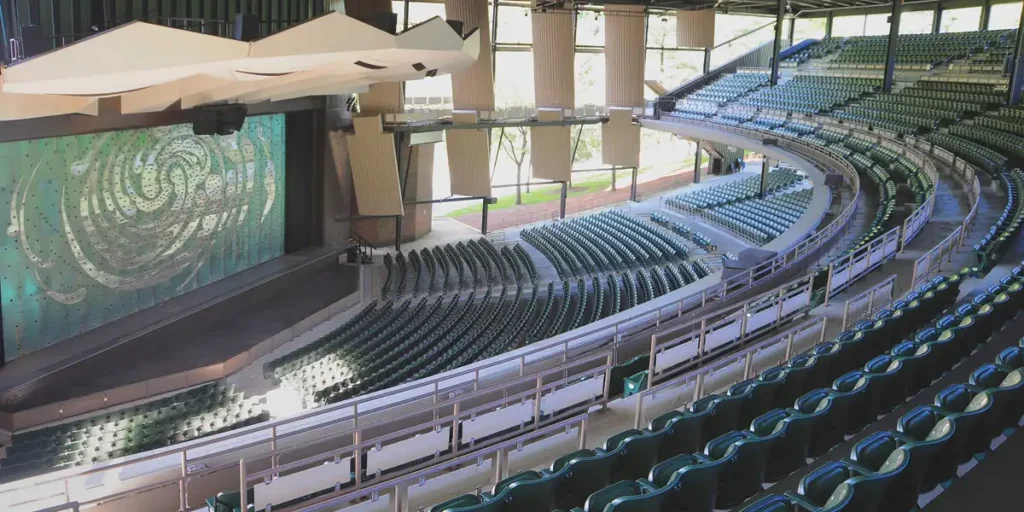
(789, 347)
(500, 465)
(455, 428)
(244, 487)
(357, 441)
(828, 284)
(402, 495)
(650, 363)
(583, 432)
(748, 365)
(698, 388)
(743, 320)
(182, 485)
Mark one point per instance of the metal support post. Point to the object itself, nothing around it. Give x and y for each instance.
(1017, 76)
(828, 23)
(561, 205)
(632, 186)
(777, 46)
(937, 19)
(986, 10)
(483, 216)
(792, 30)
(890, 54)
(696, 165)
(765, 165)
(707, 60)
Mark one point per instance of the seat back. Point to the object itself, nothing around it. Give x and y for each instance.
(792, 441)
(682, 432)
(819, 485)
(598, 501)
(865, 492)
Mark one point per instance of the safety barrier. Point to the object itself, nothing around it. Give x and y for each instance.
(865, 304)
(707, 335)
(153, 473)
(845, 270)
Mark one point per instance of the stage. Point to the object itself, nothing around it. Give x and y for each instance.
(197, 337)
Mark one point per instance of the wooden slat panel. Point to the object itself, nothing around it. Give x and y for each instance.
(468, 157)
(695, 29)
(383, 98)
(553, 65)
(551, 151)
(624, 55)
(473, 87)
(374, 168)
(620, 139)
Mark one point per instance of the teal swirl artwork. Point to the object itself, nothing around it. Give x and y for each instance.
(107, 224)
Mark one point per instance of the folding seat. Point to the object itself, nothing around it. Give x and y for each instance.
(1006, 386)
(722, 414)
(608, 498)
(888, 379)
(527, 490)
(856, 393)
(635, 452)
(772, 503)
(927, 428)
(584, 473)
(757, 397)
(791, 445)
(695, 478)
(858, 348)
(830, 363)
(830, 418)
(1011, 357)
(796, 374)
(984, 317)
(970, 410)
(877, 337)
(746, 456)
(839, 485)
(945, 344)
(463, 502)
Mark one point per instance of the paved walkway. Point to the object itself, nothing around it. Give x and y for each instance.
(528, 213)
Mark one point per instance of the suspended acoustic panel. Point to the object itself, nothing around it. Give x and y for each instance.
(550, 151)
(554, 68)
(374, 168)
(620, 139)
(624, 55)
(158, 67)
(695, 29)
(473, 86)
(25, 106)
(468, 157)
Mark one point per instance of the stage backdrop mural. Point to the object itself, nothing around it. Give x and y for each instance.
(104, 225)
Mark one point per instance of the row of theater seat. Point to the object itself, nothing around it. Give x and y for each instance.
(745, 189)
(834, 389)
(603, 242)
(698, 238)
(199, 412)
(888, 470)
(917, 51)
(466, 265)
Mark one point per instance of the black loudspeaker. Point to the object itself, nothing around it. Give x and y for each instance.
(32, 40)
(247, 27)
(218, 120)
(770, 142)
(457, 26)
(833, 180)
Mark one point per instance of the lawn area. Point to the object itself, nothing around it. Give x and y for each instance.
(541, 194)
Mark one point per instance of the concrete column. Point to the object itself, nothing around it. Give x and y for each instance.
(765, 165)
(777, 46)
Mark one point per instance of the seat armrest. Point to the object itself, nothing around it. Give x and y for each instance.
(802, 502)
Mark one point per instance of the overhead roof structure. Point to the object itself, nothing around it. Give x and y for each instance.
(154, 67)
(766, 7)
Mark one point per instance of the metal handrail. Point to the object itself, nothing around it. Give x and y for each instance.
(578, 343)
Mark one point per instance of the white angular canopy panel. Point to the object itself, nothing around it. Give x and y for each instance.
(332, 49)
